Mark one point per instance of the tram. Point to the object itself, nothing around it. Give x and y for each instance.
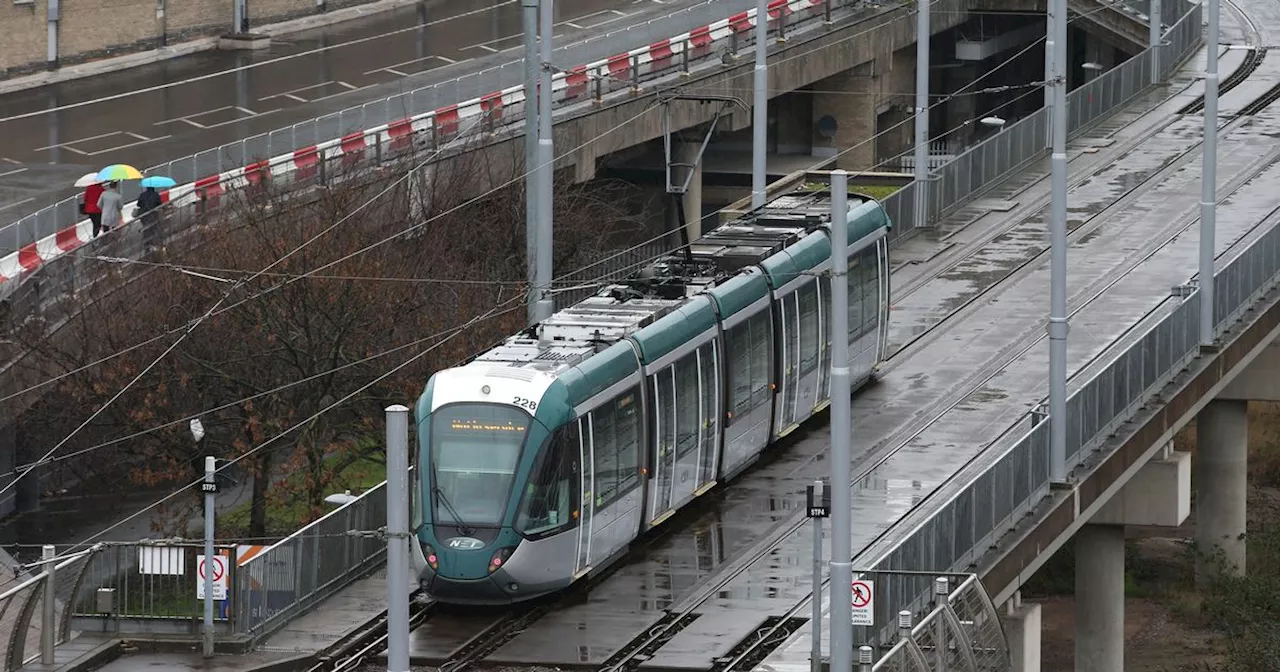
(543, 458)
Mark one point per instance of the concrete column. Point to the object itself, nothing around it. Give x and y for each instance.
(1022, 631)
(1100, 598)
(688, 153)
(1220, 478)
(844, 118)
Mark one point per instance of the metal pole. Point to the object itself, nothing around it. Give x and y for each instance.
(760, 120)
(52, 12)
(237, 16)
(940, 589)
(1209, 178)
(841, 425)
(815, 652)
(210, 469)
(1058, 326)
(1155, 38)
(529, 9)
(864, 658)
(397, 538)
(922, 113)
(47, 628)
(546, 172)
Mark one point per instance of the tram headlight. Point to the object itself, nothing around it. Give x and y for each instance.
(433, 561)
(500, 558)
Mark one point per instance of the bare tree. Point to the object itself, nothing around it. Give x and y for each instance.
(448, 257)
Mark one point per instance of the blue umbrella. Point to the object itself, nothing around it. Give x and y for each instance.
(159, 182)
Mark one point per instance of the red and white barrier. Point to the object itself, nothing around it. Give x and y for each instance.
(440, 125)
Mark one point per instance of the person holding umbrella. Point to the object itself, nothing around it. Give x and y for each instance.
(150, 199)
(111, 203)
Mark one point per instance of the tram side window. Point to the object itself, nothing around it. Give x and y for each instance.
(605, 453)
(686, 369)
(870, 289)
(809, 332)
(547, 505)
(761, 359)
(616, 427)
(737, 347)
(857, 316)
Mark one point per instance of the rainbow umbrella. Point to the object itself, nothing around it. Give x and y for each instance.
(119, 171)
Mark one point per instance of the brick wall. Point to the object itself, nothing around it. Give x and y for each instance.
(94, 29)
(852, 99)
(24, 35)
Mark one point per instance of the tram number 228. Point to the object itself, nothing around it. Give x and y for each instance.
(526, 403)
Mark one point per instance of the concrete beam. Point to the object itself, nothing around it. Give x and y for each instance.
(1260, 381)
(1102, 20)
(981, 50)
(804, 59)
(1160, 494)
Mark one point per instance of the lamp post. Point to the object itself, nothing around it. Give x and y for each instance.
(341, 498)
(1058, 326)
(1209, 178)
(210, 489)
(760, 113)
(993, 121)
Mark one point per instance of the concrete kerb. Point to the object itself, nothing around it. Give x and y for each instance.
(126, 61)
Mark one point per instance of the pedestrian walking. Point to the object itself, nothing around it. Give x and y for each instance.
(112, 207)
(90, 206)
(148, 201)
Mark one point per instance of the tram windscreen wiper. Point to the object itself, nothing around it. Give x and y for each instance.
(466, 529)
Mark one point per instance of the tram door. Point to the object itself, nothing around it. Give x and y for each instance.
(585, 453)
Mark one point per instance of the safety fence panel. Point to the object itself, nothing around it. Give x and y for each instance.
(147, 582)
(294, 574)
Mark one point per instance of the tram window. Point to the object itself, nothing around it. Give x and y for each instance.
(710, 408)
(737, 345)
(808, 298)
(686, 404)
(857, 318)
(547, 505)
(872, 296)
(761, 358)
(627, 422)
(605, 453)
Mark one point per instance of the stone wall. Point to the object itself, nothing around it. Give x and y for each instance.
(94, 29)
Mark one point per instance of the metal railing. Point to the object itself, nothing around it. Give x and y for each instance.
(309, 565)
(29, 621)
(961, 632)
(148, 582)
(438, 110)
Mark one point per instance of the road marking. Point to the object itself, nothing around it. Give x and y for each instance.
(613, 15)
(14, 205)
(395, 69)
(15, 171)
(138, 139)
(189, 119)
(291, 93)
(8, 160)
(250, 66)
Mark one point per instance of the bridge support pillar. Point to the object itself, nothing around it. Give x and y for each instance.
(1221, 482)
(1100, 598)
(687, 153)
(1022, 631)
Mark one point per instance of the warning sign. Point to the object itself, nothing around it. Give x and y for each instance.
(864, 603)
(219, 568)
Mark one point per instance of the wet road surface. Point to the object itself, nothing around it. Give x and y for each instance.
(152, 114)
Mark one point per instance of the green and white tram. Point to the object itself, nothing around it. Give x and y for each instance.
(546, 456)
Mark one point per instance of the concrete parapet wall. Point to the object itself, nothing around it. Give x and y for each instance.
(873, 35)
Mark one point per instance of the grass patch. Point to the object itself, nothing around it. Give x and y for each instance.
(876, 191)
(285, 518)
